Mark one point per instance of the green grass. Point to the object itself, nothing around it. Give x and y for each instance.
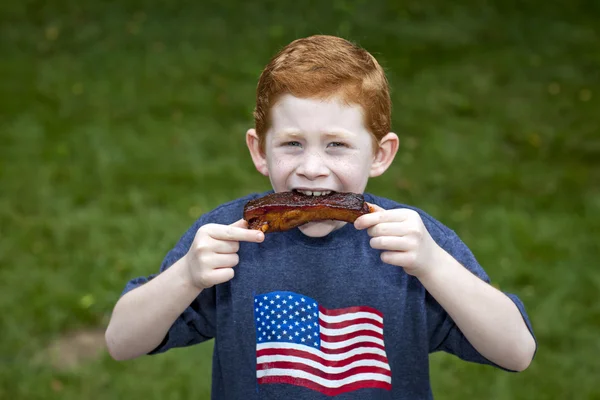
(121, 122)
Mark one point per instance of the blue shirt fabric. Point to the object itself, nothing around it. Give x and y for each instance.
(339, 271)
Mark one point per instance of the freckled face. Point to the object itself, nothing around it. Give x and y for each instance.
(320, 146)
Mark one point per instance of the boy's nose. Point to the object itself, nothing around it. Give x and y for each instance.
(313, 166)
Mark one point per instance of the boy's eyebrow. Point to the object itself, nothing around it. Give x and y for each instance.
(338, 134)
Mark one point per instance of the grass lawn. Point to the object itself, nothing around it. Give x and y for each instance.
(121, 122)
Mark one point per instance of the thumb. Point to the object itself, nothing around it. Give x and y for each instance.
(241, 223)
(375, 207)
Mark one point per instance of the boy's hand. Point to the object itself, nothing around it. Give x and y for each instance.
(213, 254)
(403, 237)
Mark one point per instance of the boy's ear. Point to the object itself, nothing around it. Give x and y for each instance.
(384, 155)
(258, 157)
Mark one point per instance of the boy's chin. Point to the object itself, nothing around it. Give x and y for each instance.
(320, 228)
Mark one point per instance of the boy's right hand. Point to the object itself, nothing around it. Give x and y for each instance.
(213, 254)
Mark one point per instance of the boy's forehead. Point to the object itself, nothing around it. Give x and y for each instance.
(306, 114)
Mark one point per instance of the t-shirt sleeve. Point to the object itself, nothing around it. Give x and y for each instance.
(197, 322)
(444, 334)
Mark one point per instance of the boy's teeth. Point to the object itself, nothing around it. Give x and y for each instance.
(311, 193)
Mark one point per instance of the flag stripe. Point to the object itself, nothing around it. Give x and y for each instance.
(325, 366)
(325, 390)
(294, 349)
(355, 340)
(341, 338)
(322, 381)
(349, 316)
(283, 365)
(348, 310)
(344, 324)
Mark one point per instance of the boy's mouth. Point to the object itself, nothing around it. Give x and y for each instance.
(315, 193)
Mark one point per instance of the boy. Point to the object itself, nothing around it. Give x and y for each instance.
(329, 308)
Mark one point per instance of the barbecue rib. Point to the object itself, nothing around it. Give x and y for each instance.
(282, 211)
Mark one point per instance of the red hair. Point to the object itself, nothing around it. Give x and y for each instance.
(322, 67)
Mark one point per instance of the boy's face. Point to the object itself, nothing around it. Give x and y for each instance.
(319, 146)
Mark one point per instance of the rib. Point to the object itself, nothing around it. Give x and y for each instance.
(283, 211)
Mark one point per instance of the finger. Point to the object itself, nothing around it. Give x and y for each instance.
(392, 243)
(389, 229)
(405, 259)
(220, 275)
(223, 246)
(236, 233)
(377, 217)
(375, 207)
(240, 223)
(217, 261)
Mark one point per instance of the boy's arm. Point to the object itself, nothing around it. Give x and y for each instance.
(488, 318)
(143, 316)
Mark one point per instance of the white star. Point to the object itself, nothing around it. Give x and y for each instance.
(284, 322)
(303, 329)
(264, 298)
(309, 336)
(284, 301)
(315, 314)
(260, 339)
(278, 326)
(284, 332)
(285, 311)
(272, 301)
(262, 313)
(263, 324)
(257, 319)
(269, 337)
(314, 304)
(308, 307)
(291, 337)
(303, 309)
(316, 344)
(255, 300)
(260, 304)
(309, 317)
(278, 337)
(272, 311)
(302, 299)
(291, 327)
(278, 315)
(297, 313)
(297, 323)
(303, 339)
(315, 324)
(290, 316)
(309, 327)
(291, 307)
(273, 332)
(278, 305)
(259, 328)
(290, 296)
(297, 333)
(303, 319)
(264, 333)
(278, 296)
(297, 303)
(266, 307)
(256, 309)
(273, 322)
(267, 317)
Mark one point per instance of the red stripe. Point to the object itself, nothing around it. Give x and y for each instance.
(327, 391)
(321, 360)
(352, 347)
(322, 374)
(351, 335)
(342, 311)
(344, 324)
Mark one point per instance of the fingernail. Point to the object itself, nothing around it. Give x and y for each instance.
(260, 236)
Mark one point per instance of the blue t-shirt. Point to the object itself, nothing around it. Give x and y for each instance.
(312, 318)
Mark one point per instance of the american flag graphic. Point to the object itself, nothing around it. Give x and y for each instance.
(333, 351)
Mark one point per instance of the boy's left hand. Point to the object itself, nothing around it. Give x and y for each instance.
(403, 237)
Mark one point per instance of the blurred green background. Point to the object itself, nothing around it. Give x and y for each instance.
(122, 121)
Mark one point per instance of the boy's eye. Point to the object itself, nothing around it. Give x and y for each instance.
(337, 144)
(293, 143)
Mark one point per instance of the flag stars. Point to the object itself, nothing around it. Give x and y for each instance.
(316, 344)
(290, 297)
(303, 299)
(303, 340)
(284, 311)
(291, 337)
(272, 301)
(278, 315)
(284, 302)
(277, 296)
(278, 305)
(256, 309)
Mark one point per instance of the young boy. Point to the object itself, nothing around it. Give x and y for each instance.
(329, 308)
